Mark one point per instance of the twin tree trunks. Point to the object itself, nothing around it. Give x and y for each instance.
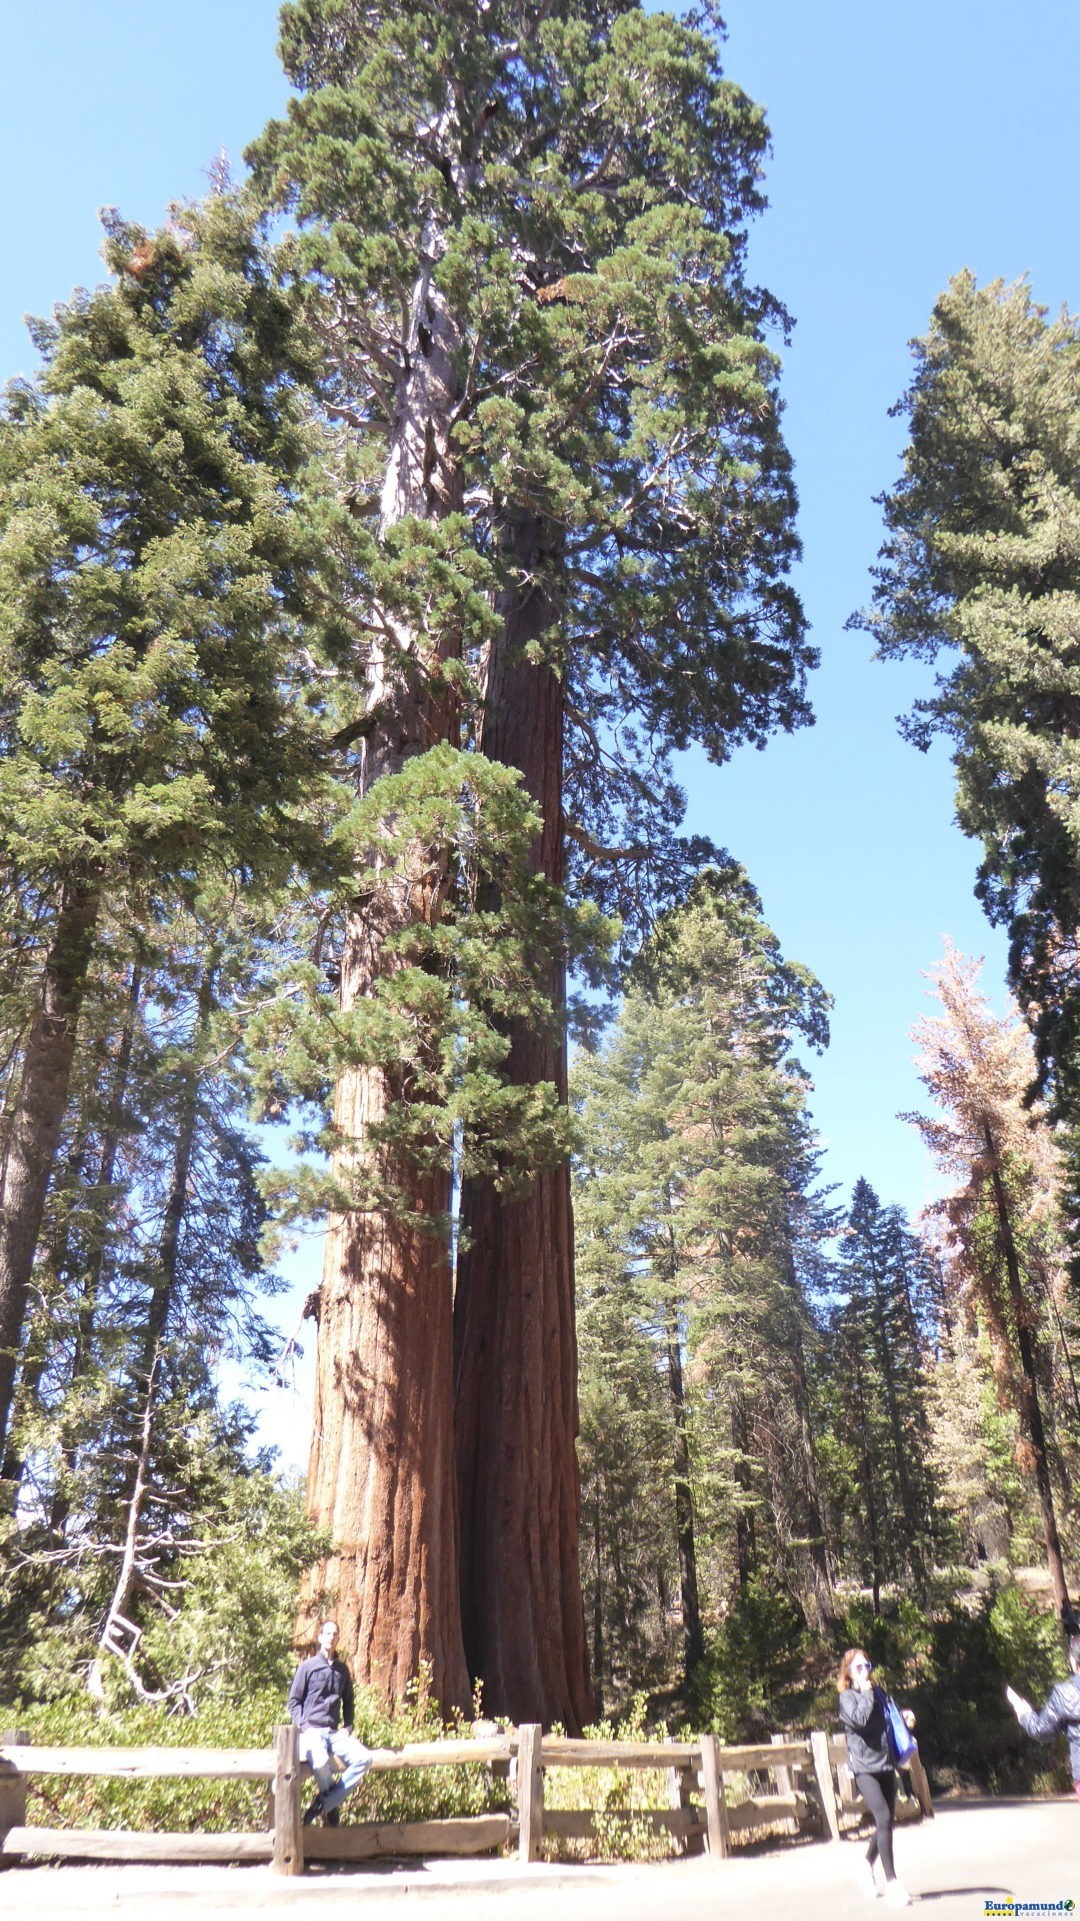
(480, 1581)
(406, 1571)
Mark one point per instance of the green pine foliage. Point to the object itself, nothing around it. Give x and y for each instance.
(876, 1366)
(979, 571)
(151, 569)
(692, 1145)
(467, 956)
(571, 188)
(153, 566)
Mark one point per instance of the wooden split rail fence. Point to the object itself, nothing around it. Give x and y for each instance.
(809, 1789)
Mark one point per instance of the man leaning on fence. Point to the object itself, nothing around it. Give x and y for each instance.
(321, 1706)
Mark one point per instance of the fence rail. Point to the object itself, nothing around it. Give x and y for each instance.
(807, 1786)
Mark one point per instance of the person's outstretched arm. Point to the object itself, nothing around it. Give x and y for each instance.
(1042, 1726)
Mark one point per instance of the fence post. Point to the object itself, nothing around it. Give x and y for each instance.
(288, 1833)
(12, 1791)
(783, 1775)
(716, 1814)
(785, 1780)
(530, 1791)
(682, 1782)
(819, 1750)
(920, 1783)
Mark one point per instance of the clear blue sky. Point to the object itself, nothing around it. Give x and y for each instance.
(908, 142)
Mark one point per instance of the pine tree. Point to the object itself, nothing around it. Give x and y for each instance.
(656, 407)
(691, 1127)
(152, 1274)
(150, 569)
(990, 1142)
(877, 1369)
(979, 569)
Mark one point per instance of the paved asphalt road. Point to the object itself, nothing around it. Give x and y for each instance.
(972, 1853)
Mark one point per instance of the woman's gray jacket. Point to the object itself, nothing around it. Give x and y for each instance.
(863, 1715)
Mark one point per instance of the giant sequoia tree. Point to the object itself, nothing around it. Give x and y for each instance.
(650, 535)
(571, 510)
(150, 566)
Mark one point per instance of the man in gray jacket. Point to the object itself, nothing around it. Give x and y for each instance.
(321, 1705)
(1062, 1712)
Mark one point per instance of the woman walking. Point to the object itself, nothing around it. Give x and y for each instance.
(862, 1710)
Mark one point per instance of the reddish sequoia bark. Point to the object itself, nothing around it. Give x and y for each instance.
(33, 1132)
(516, 1409)
(381, 1473)
(380, 1477)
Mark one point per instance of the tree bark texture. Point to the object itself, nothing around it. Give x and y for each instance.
(908, 1503)
(56, 1259)
(1030, 1408)
(866, 1464)
(515, 1342)
(90, 1287)
(745, 1533)
(815, 1579)
(685, 1533)
(34, 1132)
(380, 1477)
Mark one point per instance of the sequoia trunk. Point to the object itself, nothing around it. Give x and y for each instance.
(380, 1477)
(516, 1407)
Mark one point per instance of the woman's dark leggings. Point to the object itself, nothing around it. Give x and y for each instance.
(879, 1793)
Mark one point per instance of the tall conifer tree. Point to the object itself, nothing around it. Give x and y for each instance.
(150, 570)
(691, 1124)
(996, 1217)
(523, 234)
(979, 571)
(878, 1365)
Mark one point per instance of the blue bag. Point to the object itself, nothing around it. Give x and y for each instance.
(900, 1739)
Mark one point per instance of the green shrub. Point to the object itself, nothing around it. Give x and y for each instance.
(603, 1790)
(408, 1794)
(752, 1679)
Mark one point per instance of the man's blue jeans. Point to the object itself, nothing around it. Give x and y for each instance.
(322, 1747)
